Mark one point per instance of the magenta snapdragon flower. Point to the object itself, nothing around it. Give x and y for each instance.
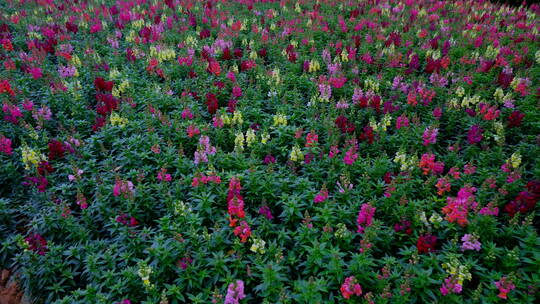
(235, 292)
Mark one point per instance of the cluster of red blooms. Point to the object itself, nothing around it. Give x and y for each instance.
(40, 181)
(56, 149)
(36, 243)
(235, 208)
(211, 103)
(367, 135)
(127, 220)
(428, 164)
(404, 226)
(5, 87)
(426, 243)
(344, 124)
(525, 201)
(514, 120)
(370, 101)
(205, 179)
(457, 208)
(106, 103)
(350, 288)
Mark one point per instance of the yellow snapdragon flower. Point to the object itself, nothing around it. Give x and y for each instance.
(296, 154)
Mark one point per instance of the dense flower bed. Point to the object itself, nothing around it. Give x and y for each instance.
(270, 151)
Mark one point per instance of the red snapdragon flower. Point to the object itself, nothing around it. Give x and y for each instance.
(426, 243)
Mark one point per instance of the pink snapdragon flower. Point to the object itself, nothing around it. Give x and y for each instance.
(505, 286)
(235, 292)
(450, 285)
(350, 288)
(322, 196)
(365, 217)
(125, 188)
(470, 242)
(430, 136)
(5, 145)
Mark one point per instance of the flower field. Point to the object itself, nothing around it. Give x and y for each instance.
(219, 151)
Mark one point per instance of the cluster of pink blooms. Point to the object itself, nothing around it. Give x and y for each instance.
(350, 288)
(351, 155)
(321, 196)
(457, 208)
(470, 242)
(66, 71)
(311, 139)
(443, 185)
(475, 135)
(450, 285)
(265, 210)
(365, 217)
(429, 165)
(505, 286)
(127, 220)
(5, 145)
(235, 208)
(12, 113)
(36, 243)
(163, 176)
(124, 188)
(489, 209)
(205, 149)
(235, 292)
(402, 121)
(205, 179)
(430, 136)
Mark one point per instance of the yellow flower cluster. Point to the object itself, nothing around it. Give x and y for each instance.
(500, 96)
(515, 160)
(117, 120)
(491, 52)
(467, 101)
(137, 24)
(250, 137)
(314, 66)
(341, 231)
(385, 122)
(31, 158)
(344, 55)
(435, 219)
(191, 42)
(236, 119)
(499, 132)
(371, 84)
(181, 208)
(456, 270)
(406, 162)
(239, 142)
(296, 154)
(258, 246)
(265, 137)
(121, 88)
(164, 54)
(435, 54)
(76, 61)
(280, 120)
(144, 273)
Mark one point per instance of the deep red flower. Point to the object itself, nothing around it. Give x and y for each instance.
(102, 85)
(426, 243)
(56, 149)
(514, 120)
(37, 243)
(211, 103)
(344, 124)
